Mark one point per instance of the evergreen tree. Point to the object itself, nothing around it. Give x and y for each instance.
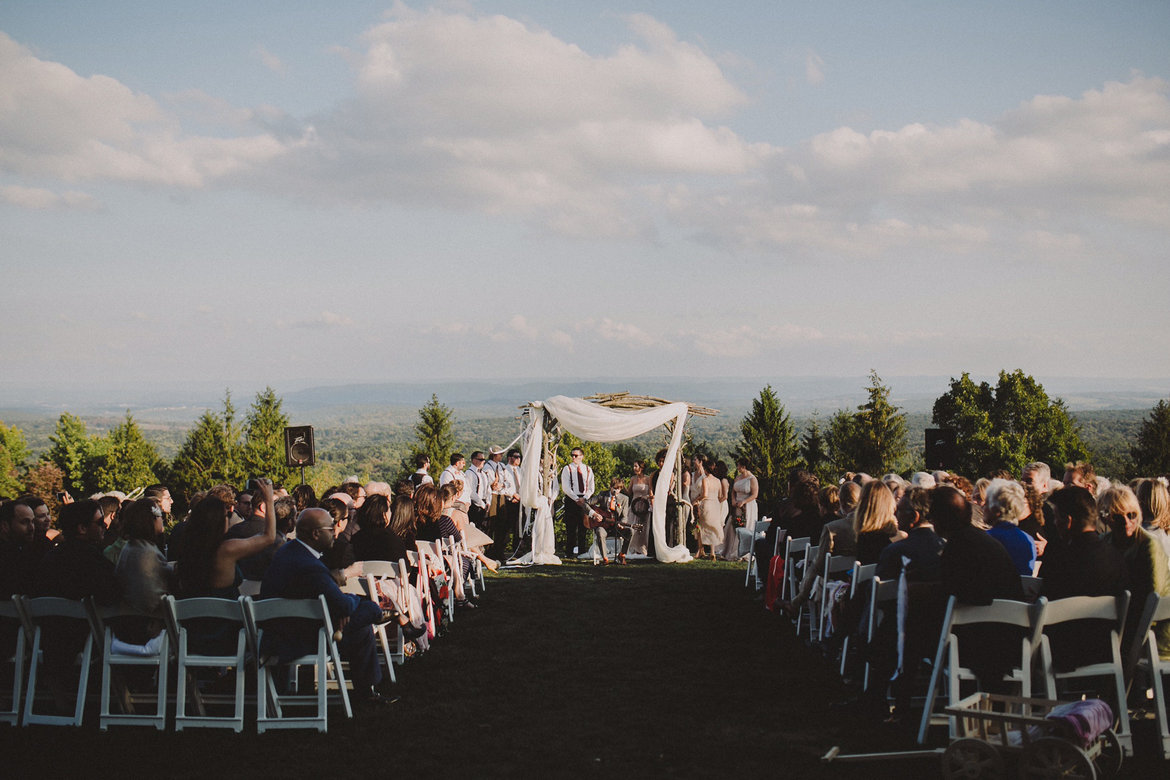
(1151, 452)
(813, 449)
(129, 459)
(768, 443)
(1007, 426)
(70, 452)
(13, 452)
(211, 454)
(435, 434)
(263, 451)
(881, 430)
(843, 441)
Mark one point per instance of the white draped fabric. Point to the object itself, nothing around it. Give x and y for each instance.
(592, 422)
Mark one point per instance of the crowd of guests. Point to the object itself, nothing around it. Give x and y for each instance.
(1081, 535)
(294, 545)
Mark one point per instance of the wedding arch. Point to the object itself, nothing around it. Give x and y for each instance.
(600, 418)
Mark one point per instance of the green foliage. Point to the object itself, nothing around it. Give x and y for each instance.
(435, 435)
(769, 445)
(1151, 452)
(843, 442)
(71, 452)
(263, 451)
(211, 454)
(128, 459)
(45, 480)
(13, 452)
(1007, 426)
(814, 451)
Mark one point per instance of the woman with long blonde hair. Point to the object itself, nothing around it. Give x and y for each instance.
(874, 521)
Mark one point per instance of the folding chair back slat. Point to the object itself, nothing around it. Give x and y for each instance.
(194, 619)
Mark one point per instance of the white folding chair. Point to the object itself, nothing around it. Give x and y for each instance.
(35, 611)
(250, 588)
(836, 567)
(385, 574)
(191, 622)
(324, 660)
(758, 533)
(432, 554)
(1109, 608)
(1019, 614)
(1033, 586)
(808, 611)
(155, 655)
(11, 620)
(882, 593)
(794, 550)
(1144, 657)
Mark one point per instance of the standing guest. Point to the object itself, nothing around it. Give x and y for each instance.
(297, 572)
(495, 506)
(1005, 505)
(578, 486)
(641, 495)
(479, 491)
(719, 471)
(421, 475)
(453, 471)
(507, 524)
(705, 500)
(1146, 567)
(207, 563)
(745, 512)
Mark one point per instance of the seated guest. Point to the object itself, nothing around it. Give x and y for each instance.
(838, 537)
(142, 570)
(296, 572)
(207, 561)
(1154, 499)
(303, 497)
(253, 566)
(403, 520)
(976, 569)
(617, 506)
(1079, 562)
(1146, 567)
(1005, 505)
(75, 569)
(919, 554)
(339, 557)
(375, 542)
(17, 562)
(286, 516)
(44, 537)
(874, 524)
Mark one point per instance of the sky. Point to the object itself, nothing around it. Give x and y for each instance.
(301, 193)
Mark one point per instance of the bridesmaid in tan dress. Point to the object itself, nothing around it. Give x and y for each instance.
(640, 488)
(705, 490)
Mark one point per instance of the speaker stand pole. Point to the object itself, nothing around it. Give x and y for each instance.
(302, 474)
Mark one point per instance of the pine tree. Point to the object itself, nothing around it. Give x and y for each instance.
(435, 434)
(13, 452)
(70, 452)
(843, 442)
(263, 453)
(769, 445)
(129, 459)
(881, 429)
(211, 454)
(1151, 452)
(813, 450)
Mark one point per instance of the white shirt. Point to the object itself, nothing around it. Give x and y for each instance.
(572, 477)
(509, 480)
(450, 474)
(479, 486)
(426, 478)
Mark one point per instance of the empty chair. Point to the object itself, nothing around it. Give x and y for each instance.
(154, 655)
(1075, 646)
(211, 635)
(57, 624)
(271, 701)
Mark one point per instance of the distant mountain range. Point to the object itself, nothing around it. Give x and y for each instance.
(493, 398)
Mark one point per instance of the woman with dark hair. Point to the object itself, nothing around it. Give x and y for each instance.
(142, 570)
(374, 542)
(641, 496)
(304, 496)
(403, 520)
(207, 561)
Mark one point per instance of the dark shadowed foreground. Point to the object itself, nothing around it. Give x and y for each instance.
(642, 671)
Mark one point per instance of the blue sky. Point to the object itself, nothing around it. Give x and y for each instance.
(301, 193)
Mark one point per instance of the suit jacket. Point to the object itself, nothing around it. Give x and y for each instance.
(295, 573)
(621, 505)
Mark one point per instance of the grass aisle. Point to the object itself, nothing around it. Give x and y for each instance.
(647, 670)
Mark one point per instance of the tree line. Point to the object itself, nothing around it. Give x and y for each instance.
(1002, 425)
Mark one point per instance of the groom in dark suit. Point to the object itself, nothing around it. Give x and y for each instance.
(297, 572)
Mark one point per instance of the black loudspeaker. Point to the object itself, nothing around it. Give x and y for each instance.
(940, 449)
(298, 446)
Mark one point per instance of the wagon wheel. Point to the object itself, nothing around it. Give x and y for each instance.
(1110, 759)
(1049, 757)
(972, 758)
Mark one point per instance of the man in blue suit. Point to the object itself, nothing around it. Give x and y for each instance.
(297, 572)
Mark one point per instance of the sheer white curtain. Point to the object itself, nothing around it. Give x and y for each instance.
(592, 422)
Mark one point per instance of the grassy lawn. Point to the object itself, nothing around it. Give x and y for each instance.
(572, 671)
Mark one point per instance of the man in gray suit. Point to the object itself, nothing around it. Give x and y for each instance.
(614, 505)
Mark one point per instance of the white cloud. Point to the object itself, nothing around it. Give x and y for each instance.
(42, 199)
(269, 60)
(624, 333)
(814, 69)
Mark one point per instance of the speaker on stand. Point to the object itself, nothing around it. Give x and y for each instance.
(298, 447)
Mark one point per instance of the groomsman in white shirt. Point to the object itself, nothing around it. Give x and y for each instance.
(455, 472)
(478, 482)
(577, 485)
